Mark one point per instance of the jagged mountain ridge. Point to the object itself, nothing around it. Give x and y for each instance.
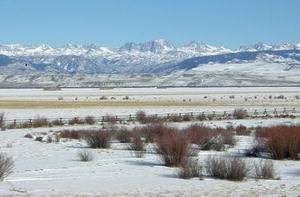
(158, 56)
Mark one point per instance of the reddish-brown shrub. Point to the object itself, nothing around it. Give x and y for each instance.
(110, 119)
(281, 142)
(137, 146)
(26, 124)
(152, 119)
(90, 120)
(175, 118)
(71, 134)
(122, 135)
(140, 116)
(198, 133)
(201, 117)
(173, 148)
(97, 139)
(209, 138)
(39, 122)
(186, 117)
(228, 137)
(144, 119)
(57, 122)
(242, 130)
(76, 120)
(150, 132)
(240, 113)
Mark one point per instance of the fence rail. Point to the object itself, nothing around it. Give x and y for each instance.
(195, 115)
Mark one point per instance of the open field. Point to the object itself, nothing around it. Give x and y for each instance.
(44, 168)
(27, 103)
(53, 168)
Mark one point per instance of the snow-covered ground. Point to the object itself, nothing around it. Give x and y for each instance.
(68, 103)
(43, 169)
(53, 169)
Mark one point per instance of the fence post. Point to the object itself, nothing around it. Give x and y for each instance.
(225, 115)
(284, 111)
(265, 112)
(255, 112)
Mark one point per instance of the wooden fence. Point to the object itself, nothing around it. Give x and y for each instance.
(171, 117)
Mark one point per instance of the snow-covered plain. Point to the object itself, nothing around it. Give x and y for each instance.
(53, 169)
(29, 103)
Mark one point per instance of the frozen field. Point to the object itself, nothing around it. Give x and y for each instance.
(53, 169)
(28, 103)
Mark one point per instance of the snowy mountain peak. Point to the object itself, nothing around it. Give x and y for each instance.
(264, 47)
(260, 46)
(155, 46)
(203, 49)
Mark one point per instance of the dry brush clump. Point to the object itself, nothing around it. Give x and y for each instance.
(230, 168)
(201, 117)
(122, 135)
(40, 122)
(76, 120)
(173, 148)
(264, 169)
(110, 119)
(90, 120)
(71, 134)
(175, 118)
(137, 145)
(187, 117)
(240, 113)
(39, 138)
(2, 121)
(280, 142)
(142, 118)
(152, 131)
(98, 139)
(6, 166)
(57, 122)
(242, 130)
(85, 156)
(28, 135)
(190, 169)
(209, 138)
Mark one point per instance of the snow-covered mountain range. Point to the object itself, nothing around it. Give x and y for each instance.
(196, 63)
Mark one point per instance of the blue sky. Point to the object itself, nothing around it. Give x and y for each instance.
(112, 23)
